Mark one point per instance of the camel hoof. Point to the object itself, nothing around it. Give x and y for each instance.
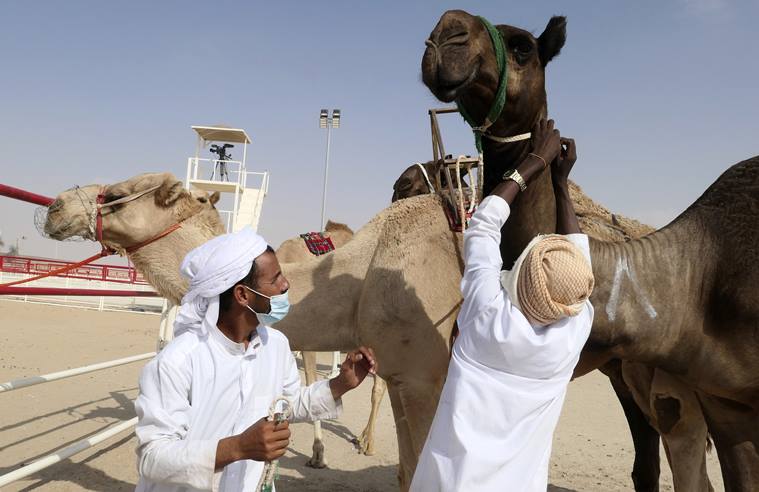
(317, 458)
(365, 445)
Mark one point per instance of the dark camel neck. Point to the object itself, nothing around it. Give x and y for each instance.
(534, 210)
(649, 292)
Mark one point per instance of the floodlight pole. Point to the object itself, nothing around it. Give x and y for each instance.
(323, 223)
(329, 121)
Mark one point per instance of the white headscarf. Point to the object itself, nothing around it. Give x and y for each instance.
(212, 268)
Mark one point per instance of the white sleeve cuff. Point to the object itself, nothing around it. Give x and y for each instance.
(323, 405)
(498, 205)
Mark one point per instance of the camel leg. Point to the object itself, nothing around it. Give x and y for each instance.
(366, 441)
(318, 460)
(407, 458)
(733, 426)
(419, 399)
(683, 429)
(646, 468)
(674, 411)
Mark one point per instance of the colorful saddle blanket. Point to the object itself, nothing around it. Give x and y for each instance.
(317, 243)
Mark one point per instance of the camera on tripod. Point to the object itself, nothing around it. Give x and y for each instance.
(221, 161)
(221, 151)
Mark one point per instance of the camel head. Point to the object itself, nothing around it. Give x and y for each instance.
(460, 64)
(412, 182)
(129, 223)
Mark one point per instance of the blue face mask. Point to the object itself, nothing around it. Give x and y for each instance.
(280, 306)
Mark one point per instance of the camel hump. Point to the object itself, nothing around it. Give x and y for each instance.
(735, 193)
(728, 213)
(599, 223)
(337, 226)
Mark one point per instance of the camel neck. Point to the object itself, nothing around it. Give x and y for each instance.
(160, 261)
(648, 291)
(534, 210)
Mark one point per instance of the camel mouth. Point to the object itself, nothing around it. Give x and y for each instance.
(53, 227)
(449, 91)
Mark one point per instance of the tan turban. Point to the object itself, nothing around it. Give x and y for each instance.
(550, 280)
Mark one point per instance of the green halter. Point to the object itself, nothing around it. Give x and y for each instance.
(500, 96)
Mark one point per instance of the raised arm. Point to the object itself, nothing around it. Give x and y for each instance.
(482, 256)
(545, 148)
(566, 219)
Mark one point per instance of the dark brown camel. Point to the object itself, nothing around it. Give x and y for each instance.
(420, 179)
(649, 323)
(459, 42)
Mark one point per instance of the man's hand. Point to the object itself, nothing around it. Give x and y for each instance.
(264, 440)
(566, 219)
(562, 166)
(546, 145)
(357, 365)
(546, 141)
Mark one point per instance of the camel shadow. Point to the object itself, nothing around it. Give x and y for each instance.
(383, 478)
(104, 415)
(555, 488)
(338, 430)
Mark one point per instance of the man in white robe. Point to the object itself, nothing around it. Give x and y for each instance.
(509, 370)
(204, 398)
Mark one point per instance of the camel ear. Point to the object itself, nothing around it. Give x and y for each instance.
(552, 39)
(169, 192)
(214, 197)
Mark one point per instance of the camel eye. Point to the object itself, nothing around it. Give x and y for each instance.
(110, 197)
(521, 47)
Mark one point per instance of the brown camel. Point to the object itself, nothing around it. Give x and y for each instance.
(643, 309)
(456, 49)
(294, 250)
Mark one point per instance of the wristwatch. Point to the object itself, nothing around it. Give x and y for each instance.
(514, 175)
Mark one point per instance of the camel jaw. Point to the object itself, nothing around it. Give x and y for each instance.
(59, 229)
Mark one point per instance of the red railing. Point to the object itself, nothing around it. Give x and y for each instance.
(34, 266)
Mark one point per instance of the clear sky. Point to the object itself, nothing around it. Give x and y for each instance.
(660, 95)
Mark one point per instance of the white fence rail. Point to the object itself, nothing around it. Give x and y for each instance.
(54, 376)
(66, 452)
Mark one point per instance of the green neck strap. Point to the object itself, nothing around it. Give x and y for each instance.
(500, 96)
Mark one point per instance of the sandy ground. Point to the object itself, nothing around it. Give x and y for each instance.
(592, 449)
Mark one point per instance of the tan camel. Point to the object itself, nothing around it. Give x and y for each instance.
(369, 291)
(459, 64)
(294, 250)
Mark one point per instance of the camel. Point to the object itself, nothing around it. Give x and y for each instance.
(293, 250)
(459, 64)
(370, 291)
(395, 287)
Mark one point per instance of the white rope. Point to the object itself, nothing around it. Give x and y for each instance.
(266, 484)
(515, 138)
(460, 193)
(472, 189)
(426, 177)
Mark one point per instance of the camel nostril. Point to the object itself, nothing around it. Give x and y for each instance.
(458, 37)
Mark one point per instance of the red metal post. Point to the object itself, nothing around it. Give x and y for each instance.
(26, 196)
(57, 291)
